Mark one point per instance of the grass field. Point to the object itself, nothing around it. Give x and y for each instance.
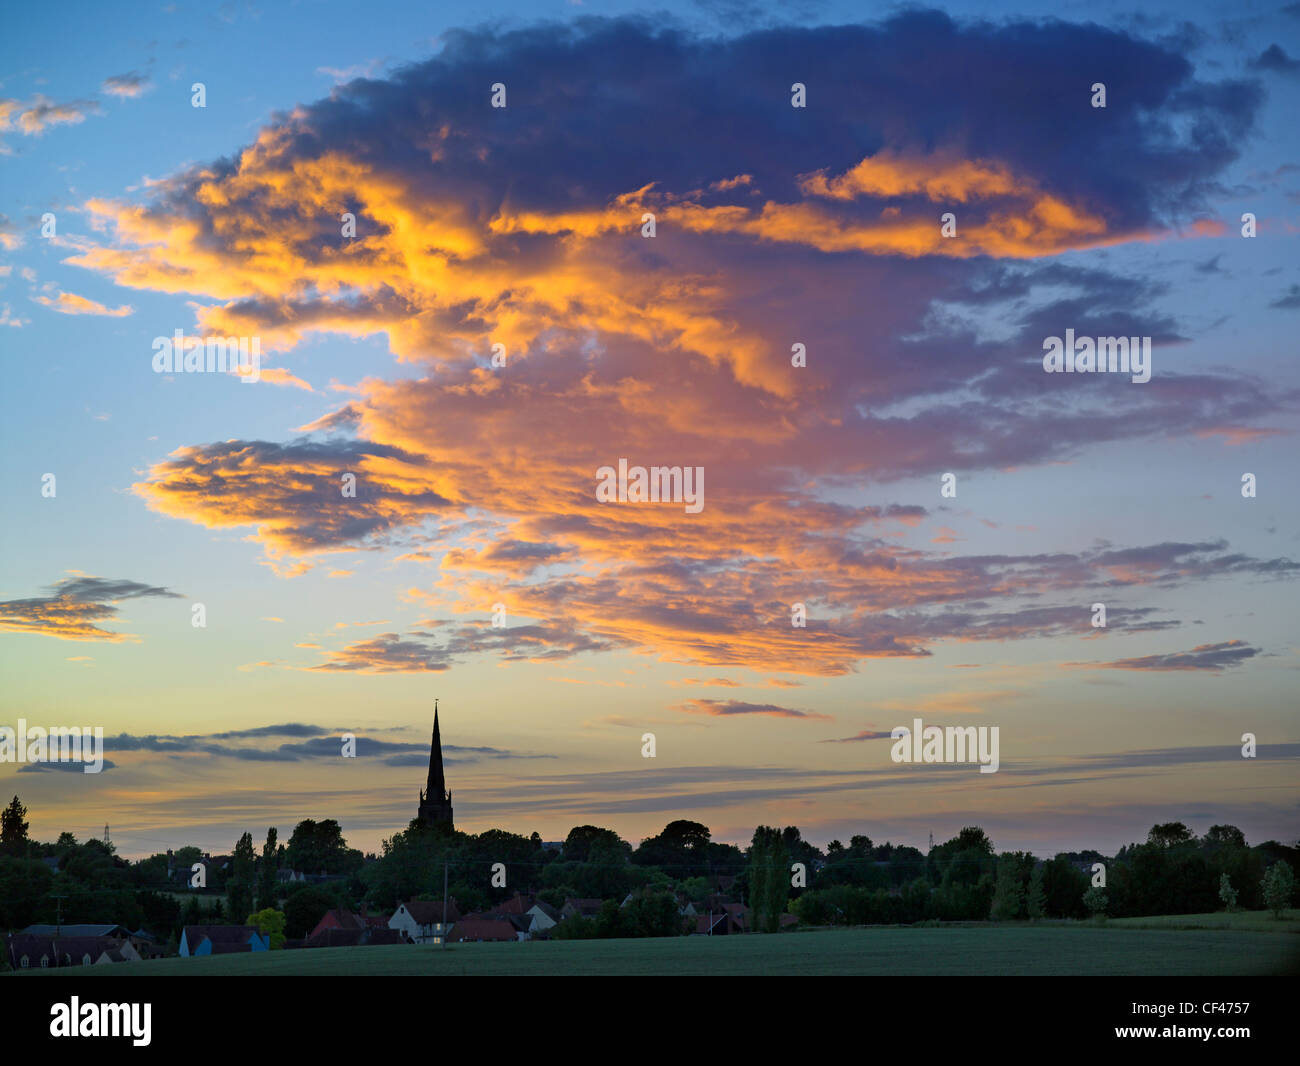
(1253, 921)
(976, 950)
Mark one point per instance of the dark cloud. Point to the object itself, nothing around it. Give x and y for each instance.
(1289, 300)
(319, 742)
(1274, 58)
(389, 653)
(75, 607)
(728, 708)
(866, 734)
(72, 766)
(1212, 657)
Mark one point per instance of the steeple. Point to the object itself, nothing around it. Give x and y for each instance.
(437, 785)
(435, 800)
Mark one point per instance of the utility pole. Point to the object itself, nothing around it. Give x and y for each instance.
(58, 921)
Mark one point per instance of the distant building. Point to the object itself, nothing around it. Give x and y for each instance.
(543, 916)
(115, 931)
(715, 924)
(367, 936)
(435, 800)
(344, 919)
(482, 929)
(221, 940)
(420, 921)
(29, 951)
(583, 908)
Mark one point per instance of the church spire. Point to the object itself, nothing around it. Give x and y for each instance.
(437, 785)
(435, 800)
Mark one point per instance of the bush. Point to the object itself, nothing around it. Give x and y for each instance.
(1227, 894)
(1278, 885)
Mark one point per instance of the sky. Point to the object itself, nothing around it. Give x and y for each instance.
(473, 559)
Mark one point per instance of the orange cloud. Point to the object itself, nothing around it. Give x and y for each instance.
(69, 303)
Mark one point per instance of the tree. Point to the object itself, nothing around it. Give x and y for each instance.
(13, 829)
(269, 922)
(582, 839)
(319, 847)
(769, 878)
(193, 913)
(1278, 885)
(681, 849)
(1168, 834)
(1064, 884)
(1095, 900)
(964, 859)
(1009, 895)
(1227, 894)
(1225, 836)
(239, 890)
(1036, 902)
(267, 879)
(303, 911)
(24, 884)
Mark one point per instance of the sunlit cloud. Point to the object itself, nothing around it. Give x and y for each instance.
(74, 608)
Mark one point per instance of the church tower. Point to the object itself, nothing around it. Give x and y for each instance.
(435, 800)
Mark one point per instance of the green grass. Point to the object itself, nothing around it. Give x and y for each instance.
(1252, 921)
(1081, 948)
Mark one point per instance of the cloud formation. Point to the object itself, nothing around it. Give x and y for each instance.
(127, 85)
(74, 607)
(1212, 657)
(774, 231)
(728, 708)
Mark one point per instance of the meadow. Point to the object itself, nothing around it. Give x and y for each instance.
(1181, 945)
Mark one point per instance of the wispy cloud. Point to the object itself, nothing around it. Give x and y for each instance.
(74, 607)
(1212, 657)
(729, 708)
(127, 85)
(69, 303)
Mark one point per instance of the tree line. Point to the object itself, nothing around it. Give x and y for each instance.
(779, 873)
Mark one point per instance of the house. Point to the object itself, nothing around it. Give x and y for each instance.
(420, 921)
(518, 905)
(365, 936)
(583, 908)
(543, 916)
(715, 924)
(739, 916)
(346, 920)
(146, 944)
(29, 951)
(481, 929)
(115, 931)
(221, 940)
